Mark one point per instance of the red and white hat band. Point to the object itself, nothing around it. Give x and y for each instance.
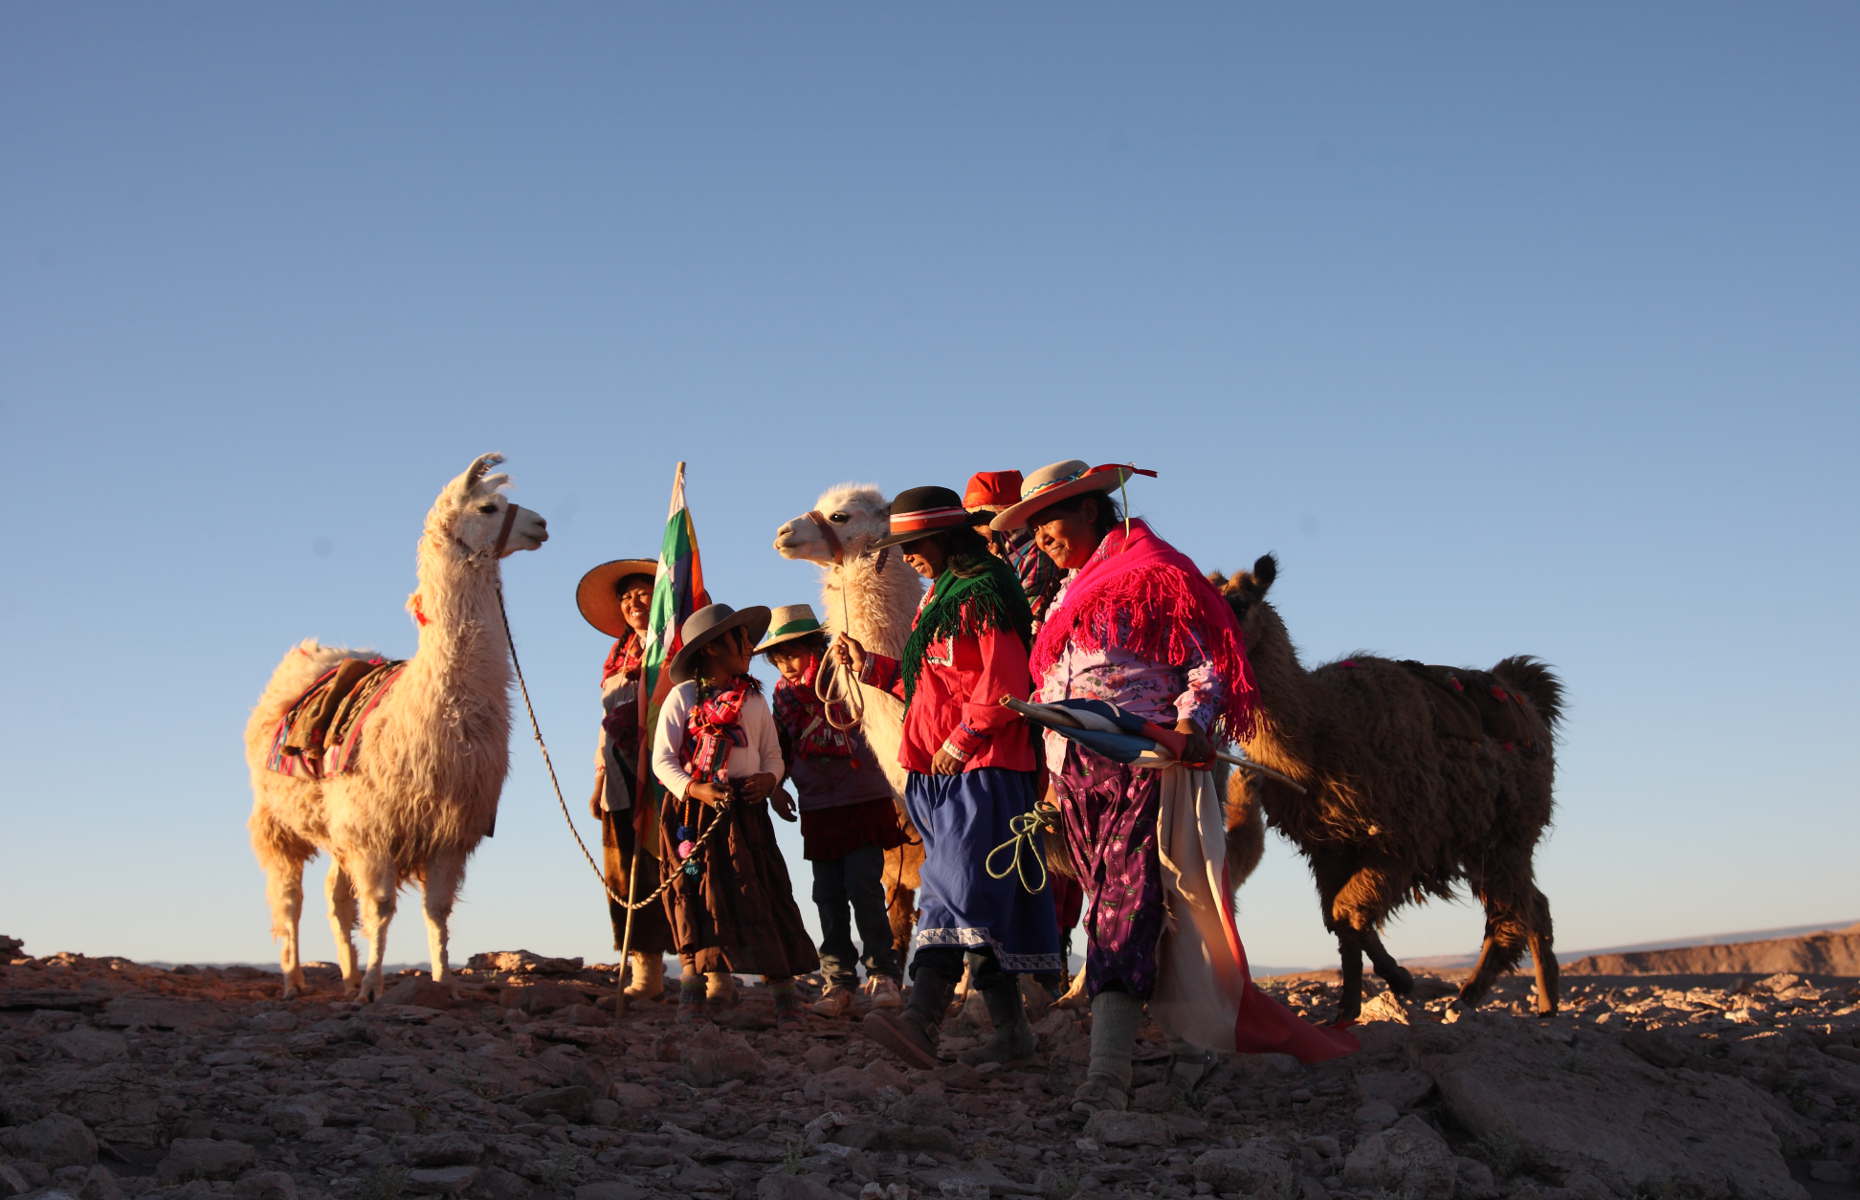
(928, 518)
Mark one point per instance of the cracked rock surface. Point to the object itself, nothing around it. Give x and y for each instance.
(514, 1079)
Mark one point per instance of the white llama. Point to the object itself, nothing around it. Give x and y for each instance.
(424, 787)
(871, 595)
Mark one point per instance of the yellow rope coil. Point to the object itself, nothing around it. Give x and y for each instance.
(1024, 846)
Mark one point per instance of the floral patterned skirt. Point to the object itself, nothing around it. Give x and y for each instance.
(1109, 812)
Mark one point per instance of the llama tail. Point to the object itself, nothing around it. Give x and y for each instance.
(1533, 677)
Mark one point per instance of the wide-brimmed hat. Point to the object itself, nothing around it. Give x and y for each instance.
(598, 593)
(789, 622)
(1060, 481)
(708, 624)
(920, 511)
(992, 490)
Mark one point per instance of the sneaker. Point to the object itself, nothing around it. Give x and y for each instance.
(881, 991)
(834, 1002)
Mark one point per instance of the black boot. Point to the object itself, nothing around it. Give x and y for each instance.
(911, 1032)
(1013, 1038)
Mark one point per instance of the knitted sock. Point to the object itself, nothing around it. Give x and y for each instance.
(1114, 1020)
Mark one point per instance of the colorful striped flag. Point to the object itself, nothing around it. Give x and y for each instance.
(677, 592)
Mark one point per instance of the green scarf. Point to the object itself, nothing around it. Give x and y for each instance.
(992, 593)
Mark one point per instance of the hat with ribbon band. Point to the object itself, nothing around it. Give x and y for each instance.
(1061, 481)
(789, 622)
(921, 511)
(708, 624)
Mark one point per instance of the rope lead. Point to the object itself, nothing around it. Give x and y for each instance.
(1024, 846)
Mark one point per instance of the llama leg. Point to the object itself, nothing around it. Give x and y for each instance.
(374, 883)
(284, 888)
(901, 908)
(1350, 954)
(1363, 904)
(1543, 956)
(1331, 874)
(342, 917)
(1504, 945)
(444, 874)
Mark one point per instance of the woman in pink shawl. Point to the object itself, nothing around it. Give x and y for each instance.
(1136, 624)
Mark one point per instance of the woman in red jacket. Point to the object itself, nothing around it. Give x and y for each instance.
(971, 772)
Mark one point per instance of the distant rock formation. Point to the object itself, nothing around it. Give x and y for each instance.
(1836, 953)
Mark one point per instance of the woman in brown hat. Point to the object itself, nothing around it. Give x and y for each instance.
(616, 598)
(717, 753)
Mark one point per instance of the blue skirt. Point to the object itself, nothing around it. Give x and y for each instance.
(961, 818)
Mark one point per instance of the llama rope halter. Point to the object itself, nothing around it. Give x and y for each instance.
(835, 686)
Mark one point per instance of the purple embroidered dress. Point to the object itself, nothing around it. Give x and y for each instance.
(1110, 810)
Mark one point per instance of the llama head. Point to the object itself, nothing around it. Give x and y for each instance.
(857, 514)
(474, 517)
(1246, 591)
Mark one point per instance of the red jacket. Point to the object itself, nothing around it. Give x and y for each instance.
(957, 704)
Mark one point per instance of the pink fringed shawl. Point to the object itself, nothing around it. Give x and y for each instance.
(1141, 595)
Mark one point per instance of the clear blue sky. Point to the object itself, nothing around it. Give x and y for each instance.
(1510, 328)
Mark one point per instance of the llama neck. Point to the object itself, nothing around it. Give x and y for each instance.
(462, 648)
(875, 605)
(1286, 721)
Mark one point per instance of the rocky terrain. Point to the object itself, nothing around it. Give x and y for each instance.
(516, 1080)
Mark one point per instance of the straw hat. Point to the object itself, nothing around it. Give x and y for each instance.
(789, 622)
(920, 511)
(598, 594)
(1060, 481)
(708, 624)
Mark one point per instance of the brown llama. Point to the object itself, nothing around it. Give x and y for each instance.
(1416, 778)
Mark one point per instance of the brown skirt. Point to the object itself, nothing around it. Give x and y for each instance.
(652, 929)
(738, 913)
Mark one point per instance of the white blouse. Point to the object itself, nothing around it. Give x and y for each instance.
(762, 756)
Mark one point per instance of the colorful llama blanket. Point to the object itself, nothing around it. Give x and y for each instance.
(320, 734)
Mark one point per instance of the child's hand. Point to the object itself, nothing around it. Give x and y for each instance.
(945, 763)
(712, 794)
(758, 787)
(783, 804)
(850, 653)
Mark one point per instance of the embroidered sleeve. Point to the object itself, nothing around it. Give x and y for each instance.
(1201, 700)
(884, 673)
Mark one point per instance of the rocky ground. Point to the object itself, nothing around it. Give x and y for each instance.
(516, 1081)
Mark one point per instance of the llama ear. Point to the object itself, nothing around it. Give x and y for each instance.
(1265, 570)
(474, 474)
(1218, 580)
(491, 483)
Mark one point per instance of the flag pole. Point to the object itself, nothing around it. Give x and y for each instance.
(640, 789)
